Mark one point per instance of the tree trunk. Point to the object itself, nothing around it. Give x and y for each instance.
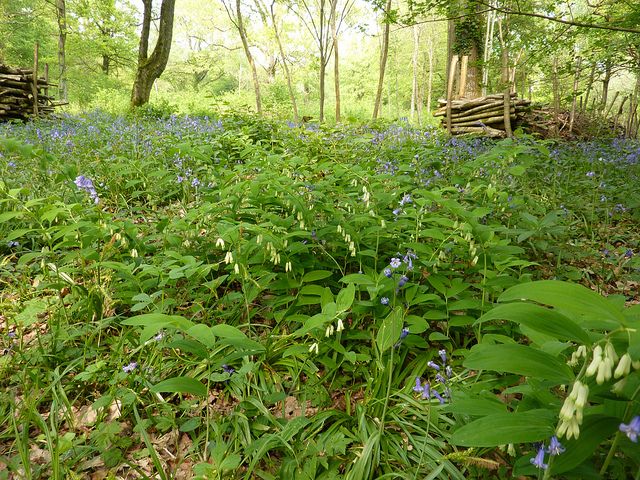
(150, 67)
(323, 67)
(576, 80)
(384, 52)
(292, 96)
(247, 52)
(336, 64)
(488, 49)
(589, 86)
(431, 68)
(608, 72)
(470, 47)
(506, 84)
(61, 15)
(414, 64)
(556, 96)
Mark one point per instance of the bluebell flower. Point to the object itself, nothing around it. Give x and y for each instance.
(86, 184)
(387, 272)
(433, 365)
(405, 199)
(195, 182)
(11, 164)
(591, 174)
(632, 429)
(606, 252)
(228, 369)
(418, 387)
(404, 333)
(397, 211)
(395, 262)
(538, 460)
(403, 280)
(384, 300)
(443, 355)
(130, 367)
(555, 447)
(628, 253)
(12, 244)
(180, 179)
(426, 391)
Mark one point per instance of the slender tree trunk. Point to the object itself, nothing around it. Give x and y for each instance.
(150, 67)
(384, 52)
(247, 52)
(106, 64)
(506, 84)
(336, 63)
(431, 68)
(576, 80)
(556, 96)
(488, 50)
(292, 95)
(589, 85)
(608, 72)
(61, 15)
(414, 64)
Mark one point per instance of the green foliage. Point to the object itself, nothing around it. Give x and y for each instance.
(267, 295)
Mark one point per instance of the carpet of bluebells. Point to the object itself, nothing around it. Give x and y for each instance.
(236, 297)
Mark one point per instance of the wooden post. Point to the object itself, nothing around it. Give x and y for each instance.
(463, 75)
(452, 73)
(34, 83)
(46, 79)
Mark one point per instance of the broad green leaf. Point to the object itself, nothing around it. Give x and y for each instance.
(475, 406)
(157, 318)
(223, 330)
(357, 279)
(570, 297)
(345, 298)
(180, 385)
(390, 330)
(519, 359)
(316, 275)
(504, 428)
(540, 319)
(203, 334)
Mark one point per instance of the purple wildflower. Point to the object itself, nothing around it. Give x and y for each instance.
(632, 429)
(384, 300)
(395, 262)
(538, 460)
(387, 272)
(403, 280)
(130, 367)
(555, 447)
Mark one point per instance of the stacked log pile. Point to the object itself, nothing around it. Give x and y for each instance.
(484, 115)
(21, 97)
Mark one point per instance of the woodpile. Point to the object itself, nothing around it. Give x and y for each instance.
(22, 97)
(484, 115)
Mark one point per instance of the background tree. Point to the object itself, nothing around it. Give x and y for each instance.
(150, 67)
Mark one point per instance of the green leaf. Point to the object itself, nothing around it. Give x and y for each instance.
(180, 385)
(570, 297)
(157, 318)
(203, 334)
(503, 428)
(357, 279)
(390, 330)
(519, 359)
(476, 406)
(345, 298)
(316, 275)
(543, 320)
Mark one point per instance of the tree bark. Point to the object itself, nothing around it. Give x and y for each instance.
(292, 95)
(576, 80)
(414, 64)
(336, 63)
(384, 53)
(556, 96)
(61, 16)
(150, 67)
(252, 64)
(608, 72)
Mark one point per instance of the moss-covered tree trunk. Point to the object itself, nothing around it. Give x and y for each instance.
(466, 39)
(150, 67)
